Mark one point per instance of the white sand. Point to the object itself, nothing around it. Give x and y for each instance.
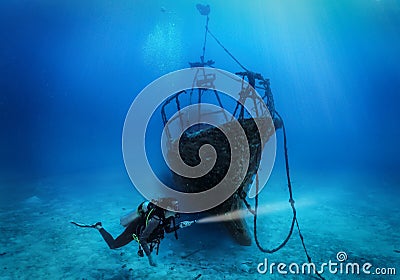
(38, 242)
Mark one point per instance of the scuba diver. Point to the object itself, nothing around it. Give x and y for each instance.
(146, 225)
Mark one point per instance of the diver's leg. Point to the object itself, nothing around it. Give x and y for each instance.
(107, 237)
(150, 227)
(124, 238)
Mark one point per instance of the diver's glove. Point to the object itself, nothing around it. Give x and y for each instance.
(186, 224)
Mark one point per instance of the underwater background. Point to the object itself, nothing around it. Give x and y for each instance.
(70, 71)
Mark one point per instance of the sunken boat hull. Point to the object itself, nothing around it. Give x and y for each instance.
(189, 145)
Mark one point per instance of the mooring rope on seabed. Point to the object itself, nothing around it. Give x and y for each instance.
(291, 201)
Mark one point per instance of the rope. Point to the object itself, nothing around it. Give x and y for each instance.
(231, 55)
(205, 40)
(242, 196)
(291, 201)
(262, 249)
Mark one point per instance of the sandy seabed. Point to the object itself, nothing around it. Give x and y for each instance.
(38, 242)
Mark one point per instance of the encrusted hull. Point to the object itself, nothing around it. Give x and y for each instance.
(189, 146)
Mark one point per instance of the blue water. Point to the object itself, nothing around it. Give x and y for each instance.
(70, 71)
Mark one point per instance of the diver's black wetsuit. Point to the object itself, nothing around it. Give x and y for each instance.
(139, 228)
(125, 237)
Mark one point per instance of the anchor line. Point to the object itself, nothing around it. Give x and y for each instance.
(291, 201)
(240, 193)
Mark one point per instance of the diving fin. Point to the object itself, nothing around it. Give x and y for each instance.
(85, 225)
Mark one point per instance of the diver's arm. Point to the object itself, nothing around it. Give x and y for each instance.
(150, 227)
(169, 225)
